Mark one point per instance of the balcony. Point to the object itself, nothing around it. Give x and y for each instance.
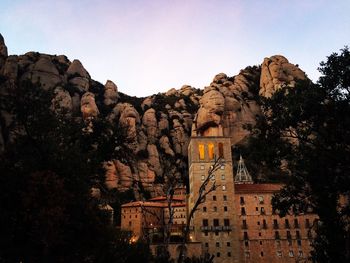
(205, 228)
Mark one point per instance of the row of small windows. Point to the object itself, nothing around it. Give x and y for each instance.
(213, 177)
(259, 198)
(262, 211)
(288, 236)
(215, 209)
(276, 225)
(222, 167)
(216, 222)
(211, 152)
(278, 253)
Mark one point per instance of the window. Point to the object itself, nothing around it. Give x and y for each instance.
(261, 253)
(214, 197)
(299, 242)
(247, 254)
(202, 177)
(224, 188)
(211, 151)
(243, 211)
(226, 222)
(264, 224)
(286, 223)
(262, 210)
(246, 243)
(291, 253)
(215, 209)
(297, 234)
(205, 222)
(257, 209)
(212, 177)
(300, 254)
(217, 244)
(202, 167)
(289, 236)
(275, 224)
(218, 254)
(296, 223)
(228, 244)
(261, 199)
(221, 150)
(241, 200)
(259, 234)
(222, 167)
(229, 254)
(279, 253)
(222, 177)
(244, 224)
(225, 198)
(204, 209)
(225, 208)
(245, 235)
(206, 244)
(216, 222)
(277, 235)
(201, 151)
(260, 243)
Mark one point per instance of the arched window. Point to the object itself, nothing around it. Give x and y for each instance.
(211, 151)
(201, 151)
(221, 150)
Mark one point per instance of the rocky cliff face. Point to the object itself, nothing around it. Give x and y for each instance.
(158, 127)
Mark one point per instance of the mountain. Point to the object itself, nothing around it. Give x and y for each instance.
(158, 127)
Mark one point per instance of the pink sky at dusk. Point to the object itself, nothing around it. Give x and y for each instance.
(147, 47)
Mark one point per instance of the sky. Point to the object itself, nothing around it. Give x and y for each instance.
(151, 46)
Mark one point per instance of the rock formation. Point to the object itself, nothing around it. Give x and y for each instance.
(277, 72)
(157, 128)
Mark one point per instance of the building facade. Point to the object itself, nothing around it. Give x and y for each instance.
(236, 222)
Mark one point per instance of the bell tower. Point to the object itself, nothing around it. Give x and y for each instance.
(215, 222)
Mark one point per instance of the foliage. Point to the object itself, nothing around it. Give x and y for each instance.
(305, 133)
(49, 165)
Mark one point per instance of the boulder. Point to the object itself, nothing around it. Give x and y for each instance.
(165, 145)
(62, 101)
(149, 121)
(45, 72)
(110, 93)
(10, 68)
(153, 159)
(88, 106)
(277, 72)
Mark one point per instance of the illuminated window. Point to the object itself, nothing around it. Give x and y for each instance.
(201, 151)
(202, 177)
(211, 151)
(221, 150)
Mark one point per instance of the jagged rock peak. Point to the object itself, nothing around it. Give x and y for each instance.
(111, 93)
(76, 68)
(3, 48)
(277, 72)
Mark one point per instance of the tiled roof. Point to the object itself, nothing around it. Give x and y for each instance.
(142, 203)
(257, 188)
(152, 204)
(163, 198)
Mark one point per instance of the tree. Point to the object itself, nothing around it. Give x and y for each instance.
(306, 130)
(48, 167)
(204, 190)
